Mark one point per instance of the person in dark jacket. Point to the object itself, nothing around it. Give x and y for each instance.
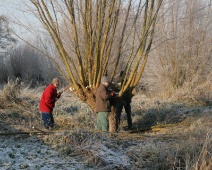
(103, 106)
(126, 102)
(47, 103)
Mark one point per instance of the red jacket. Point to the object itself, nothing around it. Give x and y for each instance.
(48, 99)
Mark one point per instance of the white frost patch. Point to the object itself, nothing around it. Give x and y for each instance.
(31, 153)
(116, 157)
(111, 157)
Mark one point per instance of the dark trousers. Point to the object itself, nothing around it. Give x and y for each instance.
(47, 119)
(127, 106)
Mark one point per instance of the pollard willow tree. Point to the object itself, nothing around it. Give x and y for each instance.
(92, 37)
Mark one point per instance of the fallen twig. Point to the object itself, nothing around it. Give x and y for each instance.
(24, 133)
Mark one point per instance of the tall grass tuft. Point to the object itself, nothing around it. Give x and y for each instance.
(12, 91)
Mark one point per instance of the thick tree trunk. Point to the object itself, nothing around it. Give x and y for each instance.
(114, 116)
(112, 120)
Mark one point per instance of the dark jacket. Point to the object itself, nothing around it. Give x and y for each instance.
(102, 99)
(48, 99)
(127, 96)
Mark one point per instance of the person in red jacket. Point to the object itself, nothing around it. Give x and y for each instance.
(47, 103)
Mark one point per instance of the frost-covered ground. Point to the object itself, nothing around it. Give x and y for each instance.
(75, 145)
(29, 152)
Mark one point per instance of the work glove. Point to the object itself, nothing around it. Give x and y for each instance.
(112, 94)
(59, 94)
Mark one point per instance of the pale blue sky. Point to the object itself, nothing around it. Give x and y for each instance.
(16, 12)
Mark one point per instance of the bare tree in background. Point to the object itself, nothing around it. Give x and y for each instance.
(7, 42)
(97, 34)
(3, 75)
(31, 66)
(6, 39)
(184, 57)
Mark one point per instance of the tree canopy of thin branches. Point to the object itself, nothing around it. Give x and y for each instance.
(93, 37)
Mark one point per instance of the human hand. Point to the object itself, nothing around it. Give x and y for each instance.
(59, 94)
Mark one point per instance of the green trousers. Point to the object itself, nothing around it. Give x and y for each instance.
(102, 121)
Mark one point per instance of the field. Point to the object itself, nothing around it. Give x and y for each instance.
(167, 134)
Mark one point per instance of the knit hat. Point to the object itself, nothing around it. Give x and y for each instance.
(104, 79)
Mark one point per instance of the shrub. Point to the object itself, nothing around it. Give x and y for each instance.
(12, 90)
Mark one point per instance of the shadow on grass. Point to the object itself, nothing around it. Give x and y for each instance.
(12, 122)
(167, 113)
